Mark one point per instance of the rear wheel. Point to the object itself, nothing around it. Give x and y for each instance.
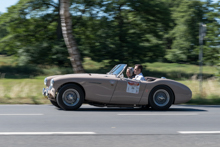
(161, 98)
(70, 97)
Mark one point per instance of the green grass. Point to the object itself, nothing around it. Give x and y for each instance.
(23, 85)
(210, 91)
(22, 91)
(28, 91)
(177, 71)
(175, 67)
(169, 70)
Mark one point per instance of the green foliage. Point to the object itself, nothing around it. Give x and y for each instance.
(119, 31)
(212, 39)
(52, 53)
(185, 34)
(157, 69)
(124, 31)
(212, 46)
(19, 72)
(31, 32)
(127, 32)
(218, 67)
(187, 17)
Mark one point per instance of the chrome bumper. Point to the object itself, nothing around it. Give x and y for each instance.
(49, 93)
(45, 92)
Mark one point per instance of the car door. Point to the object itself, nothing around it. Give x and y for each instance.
(100, 90)
(128, 91)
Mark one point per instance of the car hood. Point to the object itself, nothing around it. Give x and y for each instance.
(80, 76)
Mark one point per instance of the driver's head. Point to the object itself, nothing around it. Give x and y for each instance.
(138, 69)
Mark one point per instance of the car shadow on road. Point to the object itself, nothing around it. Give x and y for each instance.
(179, 108)
(185, 109)
(139, 109)
(206, 106)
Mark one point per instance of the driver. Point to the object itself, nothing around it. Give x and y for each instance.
(138, 72)
(130, 72)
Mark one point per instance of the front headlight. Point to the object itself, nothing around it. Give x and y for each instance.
(45, 81)
(51, 82)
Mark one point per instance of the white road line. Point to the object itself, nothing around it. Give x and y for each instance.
(12, 105)
(152, 114)
(19, 114)
(46, 133)
(199, 132)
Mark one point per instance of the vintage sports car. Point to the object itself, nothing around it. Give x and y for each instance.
(70, 91)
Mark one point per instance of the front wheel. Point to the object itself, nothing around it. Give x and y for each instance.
(54, 103)
(161, 98)
(70, 97)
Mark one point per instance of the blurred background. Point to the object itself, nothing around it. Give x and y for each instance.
(162, 35)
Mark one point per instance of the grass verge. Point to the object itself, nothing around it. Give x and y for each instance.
(23, 85)
(210, 94)
(28, 91)
(22, 91)
(169, 70)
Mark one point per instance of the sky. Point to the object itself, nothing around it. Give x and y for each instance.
(7, 3)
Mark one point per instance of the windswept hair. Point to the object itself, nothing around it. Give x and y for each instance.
(131, 70)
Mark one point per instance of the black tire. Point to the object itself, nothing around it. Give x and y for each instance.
(70, 97)
(161, 97)
(55, 104)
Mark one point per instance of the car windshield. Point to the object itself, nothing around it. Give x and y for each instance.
(117, 69)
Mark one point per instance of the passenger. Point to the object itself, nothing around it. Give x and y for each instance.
(138, 72)
(130, 72)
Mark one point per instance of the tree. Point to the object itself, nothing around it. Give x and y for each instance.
(69, 38)
(124, 31)
(187, 17)
(129, 32)
(212, 38)
(32, 33)
(185, 34)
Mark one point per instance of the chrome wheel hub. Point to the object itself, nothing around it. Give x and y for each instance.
(70, 97)
(161, 97)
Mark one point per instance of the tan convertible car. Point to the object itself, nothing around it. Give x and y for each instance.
(70, 91)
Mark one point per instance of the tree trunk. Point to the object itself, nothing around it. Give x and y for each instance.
(59, 29)
(66, 23)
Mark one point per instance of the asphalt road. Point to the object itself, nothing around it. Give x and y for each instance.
(45, 125)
